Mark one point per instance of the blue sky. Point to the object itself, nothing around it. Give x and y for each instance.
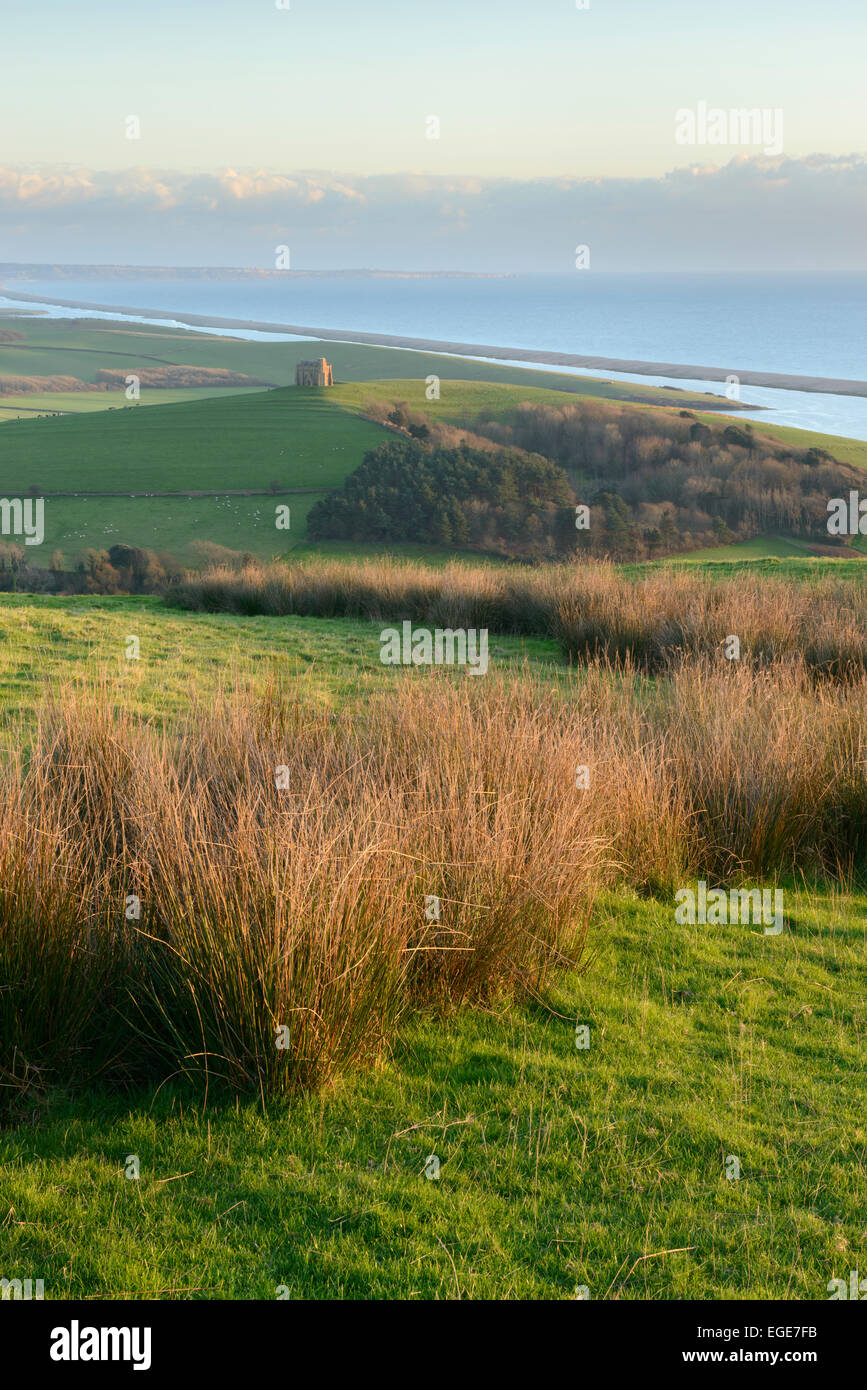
(522, 87)
(308, 126)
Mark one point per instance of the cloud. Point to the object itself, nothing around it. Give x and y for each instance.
(754, 212)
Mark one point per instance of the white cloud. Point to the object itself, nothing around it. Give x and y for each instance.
(751, 213)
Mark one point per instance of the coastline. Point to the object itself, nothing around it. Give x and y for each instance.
(530, 356)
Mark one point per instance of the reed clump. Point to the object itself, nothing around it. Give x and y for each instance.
(258, 894)
(650, 622)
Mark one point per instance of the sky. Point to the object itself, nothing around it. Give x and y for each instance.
(545, 113)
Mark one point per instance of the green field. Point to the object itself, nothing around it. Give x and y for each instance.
(173, 524)
(756, 548)
(801, 568)
(81, 348)
(88, 403)
(241, 442)
(300, 438)
(559, 1168)
(462, 400)
(221, 439)
(72, 640)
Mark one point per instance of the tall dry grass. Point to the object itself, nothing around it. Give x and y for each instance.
(304, 908)
(594, 611)
(266, 907)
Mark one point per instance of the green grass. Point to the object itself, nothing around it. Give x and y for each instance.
(719, 565)
(47, 642)
(234, 438)
(173, 524)
(461, 399)
(558, 1167)
(771, 548)
(299, 438)
(91, 402)
(756, 548)
(67, 347)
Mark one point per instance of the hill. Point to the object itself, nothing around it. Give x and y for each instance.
(651, 482)
(238, 443)
(81, 348)
(302, 441)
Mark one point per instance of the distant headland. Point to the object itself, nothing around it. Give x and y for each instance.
(34, 271)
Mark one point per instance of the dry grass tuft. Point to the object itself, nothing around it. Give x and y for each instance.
(305, 907)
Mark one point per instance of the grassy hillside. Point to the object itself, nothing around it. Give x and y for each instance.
(87, 403)
(237, 440)
(559, 1167)
(82, 347)
(301, 438)
(173, 524)
(847, 450)
(461, 401)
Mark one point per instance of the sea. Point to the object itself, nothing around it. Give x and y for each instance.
(802, 324)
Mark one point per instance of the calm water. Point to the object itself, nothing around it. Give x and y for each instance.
(809, 324)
